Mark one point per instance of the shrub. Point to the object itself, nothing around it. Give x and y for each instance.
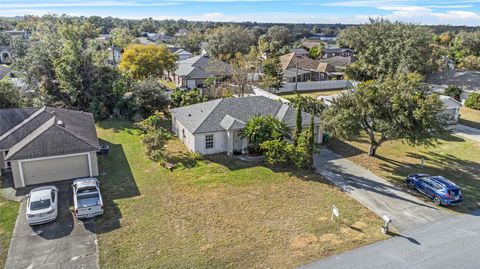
(154, 142)
(473, 101)
(276, 152)
(150, 96)
(301, 154)
(454, 92)
(263, 128)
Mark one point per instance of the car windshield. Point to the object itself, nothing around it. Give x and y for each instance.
(39, 205)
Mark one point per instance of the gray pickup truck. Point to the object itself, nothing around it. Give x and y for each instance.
(87, 199)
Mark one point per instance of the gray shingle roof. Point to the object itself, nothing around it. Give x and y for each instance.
(468, 80)
(211, 116)
(36, 132)
(339, 61)
(4, 71)
(202, 66)
(231, 123)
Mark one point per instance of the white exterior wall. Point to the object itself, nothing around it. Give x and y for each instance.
(219, 143)
(179, 130)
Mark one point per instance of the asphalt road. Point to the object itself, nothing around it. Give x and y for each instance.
(467, 132)
(65, 243)
(380, 196)
(453, 242)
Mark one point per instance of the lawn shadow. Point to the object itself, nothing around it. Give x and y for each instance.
(116, 125)
(116, 182)
(345, 149)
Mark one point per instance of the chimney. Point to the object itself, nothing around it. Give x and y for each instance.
(60, 123)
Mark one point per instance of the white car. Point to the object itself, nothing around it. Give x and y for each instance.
(87, 199)
(42, 205)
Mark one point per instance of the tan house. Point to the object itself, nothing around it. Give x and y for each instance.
(301, 68)
(42, 145)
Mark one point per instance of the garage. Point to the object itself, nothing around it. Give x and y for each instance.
(54, 169)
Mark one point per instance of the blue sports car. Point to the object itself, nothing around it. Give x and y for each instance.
(440, 189)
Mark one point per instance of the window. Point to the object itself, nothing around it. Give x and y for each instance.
(209, 141)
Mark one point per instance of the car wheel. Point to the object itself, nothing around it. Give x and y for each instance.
(411, 185)
(437, 201)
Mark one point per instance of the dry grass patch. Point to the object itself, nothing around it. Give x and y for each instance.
(218, 212)
(470, 117)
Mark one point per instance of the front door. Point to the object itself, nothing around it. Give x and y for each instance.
(237, 142)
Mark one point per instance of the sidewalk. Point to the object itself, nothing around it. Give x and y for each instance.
(377, 194)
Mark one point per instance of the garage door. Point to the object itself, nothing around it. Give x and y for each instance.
(41, 171)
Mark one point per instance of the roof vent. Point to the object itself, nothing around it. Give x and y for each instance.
(60, 123)
(189, 115)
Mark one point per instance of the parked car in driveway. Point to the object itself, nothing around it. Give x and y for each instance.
(42, 205)
(87, 199)
(440, 189)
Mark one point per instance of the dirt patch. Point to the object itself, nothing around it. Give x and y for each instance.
(302, 241)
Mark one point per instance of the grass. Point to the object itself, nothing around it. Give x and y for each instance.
(455, 158)
(218, 212)
(470, 117)
(8, 216)
(313, 94)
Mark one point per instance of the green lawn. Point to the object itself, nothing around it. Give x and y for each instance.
(455, 158)
(218, 212)
(470, 117)
(313, 94)
(8, 216)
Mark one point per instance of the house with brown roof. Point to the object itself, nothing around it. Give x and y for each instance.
(41, 145)
(301, 68)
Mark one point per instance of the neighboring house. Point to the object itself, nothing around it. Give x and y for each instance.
(5, 72)
(332, 52)
(182, 32)
(47, 144)
(15, 33)
(468, 81)
(339, 62)
(451, 108)
(216, 126)
(203, 47)
(182, 54)
(300, 68)
(144, 40)
(299, 51)
(311, 43)
(192, 72)
(5, 55)
(103, 37)
(162, 37)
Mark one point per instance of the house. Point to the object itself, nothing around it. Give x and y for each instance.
(468, 81)
(41, 145)
(143, 40)
(5, 55)
(332, 52)
(216, 126)
(182, 54)
(311, 43)
(182, 32)
(339, 62)
(162, 37)
(451, 107)
(15, 33)
(300, 68)
(299, 51)
(5, 72)
(192, 72)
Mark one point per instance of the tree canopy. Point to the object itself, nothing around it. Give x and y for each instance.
(385, 48)
(396, 108)
(224, 42)
(143, 61)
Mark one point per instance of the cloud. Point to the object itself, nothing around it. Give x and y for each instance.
(87, 4)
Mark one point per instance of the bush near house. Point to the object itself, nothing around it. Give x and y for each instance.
(453, 91)
(473, 101)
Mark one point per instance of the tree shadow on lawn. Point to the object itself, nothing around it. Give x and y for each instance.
(459, 171)
(344, 149)
(116, 182)
(116, 125)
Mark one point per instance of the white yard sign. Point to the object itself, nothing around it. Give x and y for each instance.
(335, 212)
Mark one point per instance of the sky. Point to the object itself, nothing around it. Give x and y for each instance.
(453, 12)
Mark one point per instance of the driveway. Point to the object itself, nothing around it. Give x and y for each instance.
(375, 193)
(64, 243)
(449, 243)
(467, 132)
